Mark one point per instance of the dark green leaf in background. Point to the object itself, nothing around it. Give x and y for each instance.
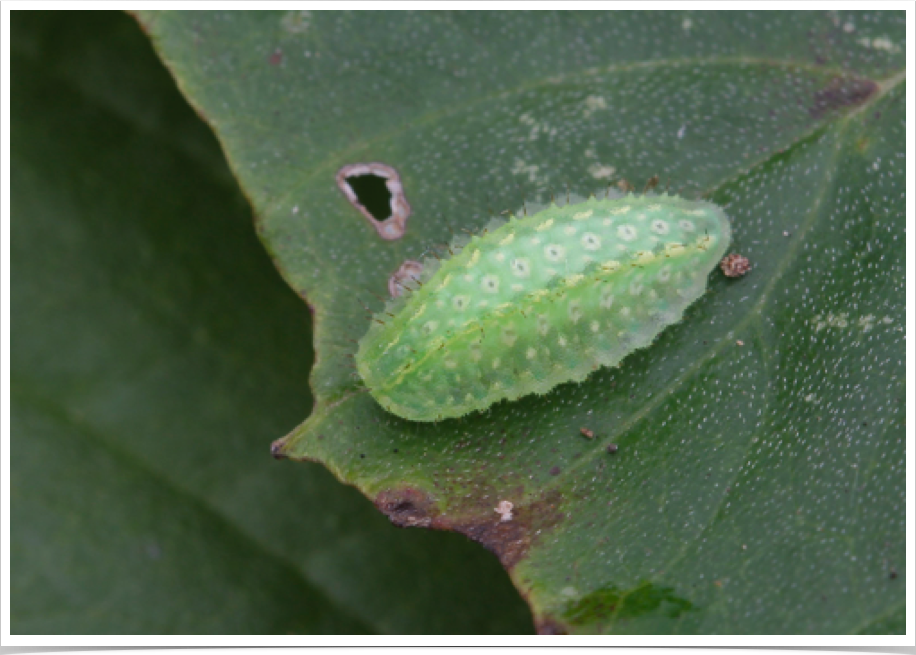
(156, 354)
(758, 485)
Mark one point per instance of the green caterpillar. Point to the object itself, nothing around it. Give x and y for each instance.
(537, 301)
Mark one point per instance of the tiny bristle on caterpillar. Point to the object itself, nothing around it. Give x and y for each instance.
(540, 300)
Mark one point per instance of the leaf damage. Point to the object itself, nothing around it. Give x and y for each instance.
(841, 93)
(509, 540)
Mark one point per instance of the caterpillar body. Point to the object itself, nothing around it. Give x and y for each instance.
(538, 301)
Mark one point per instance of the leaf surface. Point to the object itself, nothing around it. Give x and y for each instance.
(758, 480)
(157, 353)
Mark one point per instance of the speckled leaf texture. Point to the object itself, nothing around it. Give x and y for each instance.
(756, 483)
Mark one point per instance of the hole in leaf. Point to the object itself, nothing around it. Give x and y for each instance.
(375, 190)
(373, 194)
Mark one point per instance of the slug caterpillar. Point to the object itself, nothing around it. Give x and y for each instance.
(537, 301)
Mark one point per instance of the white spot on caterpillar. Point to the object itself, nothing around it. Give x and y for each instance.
(554, 252)
(509, 336)
(569, 230)
(590, 241)
(575, 311)
(619, 211)
(686, 225)
(607, 298)
(520, 267)
(626, 232)
(461, 302)
(531, 353)
(659, 226)
(543, 324)
(476, 353)
(430, 326)
(450, 363)
(506, 241)
(595, 326)
(490, 283)
(581, 216)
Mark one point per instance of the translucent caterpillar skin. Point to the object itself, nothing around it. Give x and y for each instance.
(539, 301)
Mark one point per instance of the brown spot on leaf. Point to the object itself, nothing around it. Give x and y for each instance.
(276, 57)
(407, 507)
(409, 270)
(508, 540)
(735, 265)
(840, 93)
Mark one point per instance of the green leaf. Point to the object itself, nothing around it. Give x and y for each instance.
(157, 353)
(758, 483)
